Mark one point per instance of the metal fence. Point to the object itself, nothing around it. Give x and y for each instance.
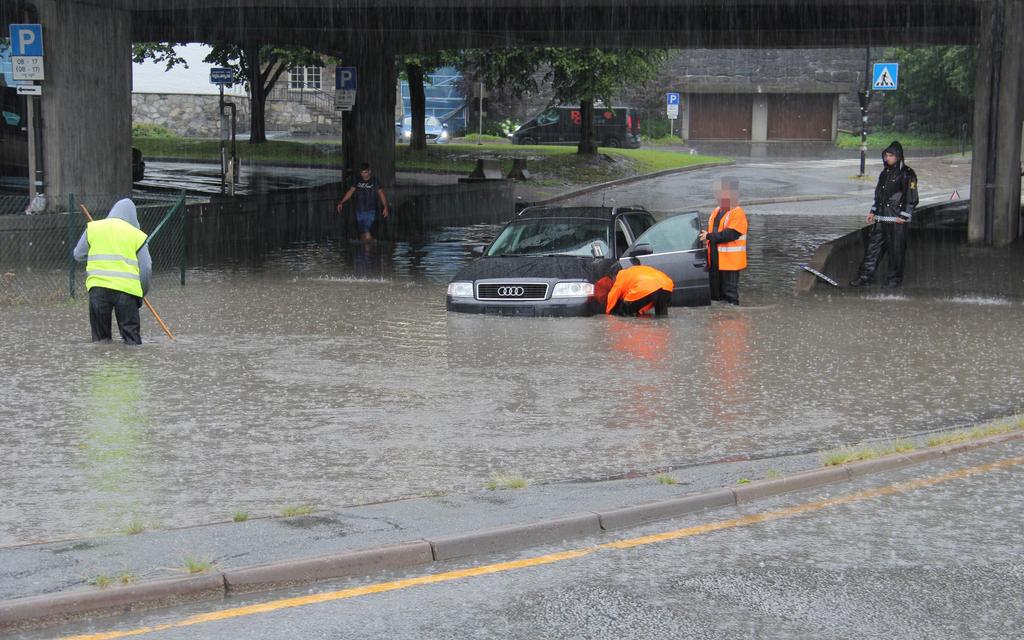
(36, 262)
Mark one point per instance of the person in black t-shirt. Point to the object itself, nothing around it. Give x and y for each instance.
(367, 193)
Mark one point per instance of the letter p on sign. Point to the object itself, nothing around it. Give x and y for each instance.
(345, 78)
(27, 39)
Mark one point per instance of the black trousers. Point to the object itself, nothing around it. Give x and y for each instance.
(725, 285)
(885, 239)
(102, 302)
(660, 298)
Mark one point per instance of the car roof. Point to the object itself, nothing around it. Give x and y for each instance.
(596, 213)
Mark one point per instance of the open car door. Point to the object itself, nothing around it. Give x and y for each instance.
(673, 246)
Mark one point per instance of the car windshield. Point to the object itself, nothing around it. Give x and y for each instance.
(551, 237)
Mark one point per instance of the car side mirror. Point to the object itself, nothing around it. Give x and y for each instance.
(640, 250)
(444, 126)
(478, 250)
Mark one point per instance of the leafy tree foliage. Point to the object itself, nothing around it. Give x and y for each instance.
(257, 66)
(588, 75)
(260, 67)
(940, 79)
(415, 70)
(158, 52)
(580, 76)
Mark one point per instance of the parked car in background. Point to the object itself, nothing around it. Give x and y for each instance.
(613, 127)
(547, 260)
(14, 139)
(437, 132)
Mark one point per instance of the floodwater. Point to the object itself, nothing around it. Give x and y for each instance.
(328, 375)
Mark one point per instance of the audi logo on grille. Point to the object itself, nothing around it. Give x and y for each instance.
(511, 292)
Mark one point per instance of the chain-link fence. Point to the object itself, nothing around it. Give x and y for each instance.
(36, 262)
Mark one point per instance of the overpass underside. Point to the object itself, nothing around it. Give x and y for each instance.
(417, 25)
(88, 44)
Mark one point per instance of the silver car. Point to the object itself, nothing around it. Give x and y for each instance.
(437, 133)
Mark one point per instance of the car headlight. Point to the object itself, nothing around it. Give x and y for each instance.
(444, 135)
(407, 134)
(572, 290)
(462, 289)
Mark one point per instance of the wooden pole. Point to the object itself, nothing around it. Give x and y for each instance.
(159, 320)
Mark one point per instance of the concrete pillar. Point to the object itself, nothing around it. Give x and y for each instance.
(759, 121)
(684, 116)
(370, 126)
(998, 115)
(86, 102)
(835, 118)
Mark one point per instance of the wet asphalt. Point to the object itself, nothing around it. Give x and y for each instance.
(940, 559)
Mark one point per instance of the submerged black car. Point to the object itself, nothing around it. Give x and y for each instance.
(546, 261)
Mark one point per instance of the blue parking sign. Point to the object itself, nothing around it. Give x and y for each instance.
(345, 78)
(672, 98)
(27, 40)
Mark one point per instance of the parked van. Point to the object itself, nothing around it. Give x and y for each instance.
(613, 127)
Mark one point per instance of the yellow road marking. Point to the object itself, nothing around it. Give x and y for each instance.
(500, 567)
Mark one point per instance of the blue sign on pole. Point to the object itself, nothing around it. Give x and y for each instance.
(27, 40)
(886, 76)
(345, 78)
(672, 98)
(222, 75)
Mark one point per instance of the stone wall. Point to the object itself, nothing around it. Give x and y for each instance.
(195, 116)
(300, 118)
(190, 115)
(835, 71)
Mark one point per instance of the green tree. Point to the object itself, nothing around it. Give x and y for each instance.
(580, 76)
(588, 75)
(260, 67)
(164, 52)
(415, 70)
(938, 78)
(257, 66)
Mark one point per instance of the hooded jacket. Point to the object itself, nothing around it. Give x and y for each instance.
(123, 210)
(896, 191)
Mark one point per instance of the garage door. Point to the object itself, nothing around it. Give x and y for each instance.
(720, 116)
(800, 116)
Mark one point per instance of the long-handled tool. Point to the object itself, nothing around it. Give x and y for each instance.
(159, 320)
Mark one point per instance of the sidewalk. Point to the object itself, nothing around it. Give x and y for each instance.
(258, 555)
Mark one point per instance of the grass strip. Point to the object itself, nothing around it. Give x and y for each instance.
(549, 164)
(879, 140)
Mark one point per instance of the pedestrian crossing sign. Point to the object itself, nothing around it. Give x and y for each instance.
(886, 76)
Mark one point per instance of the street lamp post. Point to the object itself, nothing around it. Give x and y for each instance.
(865, 100)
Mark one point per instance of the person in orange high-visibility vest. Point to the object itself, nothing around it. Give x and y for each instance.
(638, 290)
(726, 237)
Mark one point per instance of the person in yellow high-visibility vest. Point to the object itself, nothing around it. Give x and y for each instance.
(117, 271)
(726, 236)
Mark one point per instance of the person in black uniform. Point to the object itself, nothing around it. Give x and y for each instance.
(895, 201)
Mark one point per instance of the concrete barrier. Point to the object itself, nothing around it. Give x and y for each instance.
(938, 258)
(515, 536)
(337, 565)
(795, 482)
(665, 509)
(486, 169)
(56, 608)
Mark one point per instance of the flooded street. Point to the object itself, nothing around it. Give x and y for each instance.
(326, 375)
